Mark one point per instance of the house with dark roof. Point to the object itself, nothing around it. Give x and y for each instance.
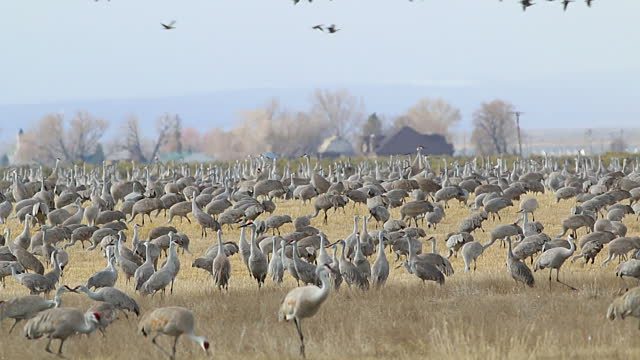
(405, 140)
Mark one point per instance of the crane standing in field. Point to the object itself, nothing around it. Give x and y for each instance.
(553, 259)
(25, 307)
(171, 321)
(304, 302)
(518, 270)
(60, 323)
(221, 267)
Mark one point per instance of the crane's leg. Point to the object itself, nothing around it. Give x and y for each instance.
(550, 270)
(175, 343)
(14, 325)
(60, 348)
(47, 348)
(299, 328)
(563, 283)
(159, 347)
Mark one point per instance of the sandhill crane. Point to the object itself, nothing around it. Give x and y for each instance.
(37, 283)
(25, 307)
(165, 275)
(518, 270)
(60, 323)
(108, 314)
(529, 206)
(306, 272)
(361, 261)
(205, 220)
(620, 247)
(144, 271)
(106, 277)
(304, 302)
(257, 263)
(471, 251)
(380, 269)
(113, 296)
(171, 321)
(553, 259)
(5, 209)
(244, 246)
(422, 269)
(221, 267)
(630, 268)
(127, 266)
(350, 272)
(625, 305)
(276, 267)
(436, 259)
(24, 239)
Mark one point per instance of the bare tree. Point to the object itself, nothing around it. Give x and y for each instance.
(133, 139)
(617, 143)
(494, 127)
(52, 137)
(431, 116)
(343, 112)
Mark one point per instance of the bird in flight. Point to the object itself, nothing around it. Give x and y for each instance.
(589, 2)
(332, 29)
(169, 26)
(565, 4)
(318, 27)
(526, 4)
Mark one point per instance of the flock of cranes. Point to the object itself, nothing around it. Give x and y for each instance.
(97, 205)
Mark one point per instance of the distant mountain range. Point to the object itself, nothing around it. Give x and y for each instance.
(607, 102)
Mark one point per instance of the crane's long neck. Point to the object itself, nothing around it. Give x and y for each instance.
(295, 250)
(220, 246)
(485, 246)
(274, 247)
(91, 294)
(381, 253)
(412, 255)
(198, 339)
(323, 251)
(355, 225)
(434, 247)
(243, 236)
(147, 254)
(254, 247)
(509, 251)
(283, 245)
(342, 258)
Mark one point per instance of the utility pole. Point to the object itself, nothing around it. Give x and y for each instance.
(517, 114)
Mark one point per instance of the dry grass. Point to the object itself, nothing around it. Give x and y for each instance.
(481, 315)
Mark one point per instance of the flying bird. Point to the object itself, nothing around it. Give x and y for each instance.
(169, 26)
(332, 29)
(565, 4)
(318, 27)
(589, 2)
(526, 4)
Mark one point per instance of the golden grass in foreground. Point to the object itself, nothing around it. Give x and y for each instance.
(481, 315)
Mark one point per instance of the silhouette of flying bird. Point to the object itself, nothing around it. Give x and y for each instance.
(332, 29)
(565, 4)
(526, 4)
(169, 26)
(318, 27)
(589, 2)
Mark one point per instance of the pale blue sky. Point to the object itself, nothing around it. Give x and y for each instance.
(81, 49)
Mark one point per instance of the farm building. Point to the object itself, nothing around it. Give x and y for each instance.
(335, 146)
(405, 140)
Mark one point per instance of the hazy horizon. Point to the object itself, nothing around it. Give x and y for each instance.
(575, 68)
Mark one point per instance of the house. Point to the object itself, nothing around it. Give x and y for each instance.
(335, 146)
(403, 141)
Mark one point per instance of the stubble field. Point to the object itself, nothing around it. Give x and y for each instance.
(475, 315)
